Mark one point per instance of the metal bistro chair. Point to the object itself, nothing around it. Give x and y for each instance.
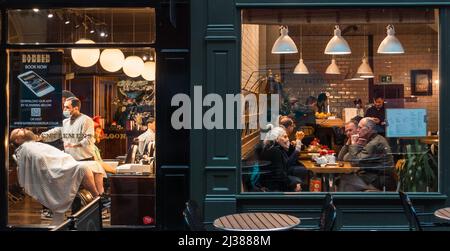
(327, 217)
(192, 217)
(413, 217)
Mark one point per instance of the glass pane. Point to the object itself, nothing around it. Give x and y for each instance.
(102, 143)
(329, 69)
(70, 25)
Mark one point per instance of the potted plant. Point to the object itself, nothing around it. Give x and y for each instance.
(419, 170)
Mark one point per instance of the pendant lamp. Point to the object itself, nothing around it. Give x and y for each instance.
(85, 57)
(133, 66)
(333, 68)
(364, 70)
(149, 71)
(301, 67)
(390, 44)
(284, 44)
(112, 59)
(337, 44)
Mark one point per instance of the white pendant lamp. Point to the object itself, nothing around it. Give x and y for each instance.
(112, 59)
(85, 57)
(364, 70)
(333, 68)
(133, 66)
(301, 67)
(284, 44)
(337, 44)
(149, 72)
(390, 44)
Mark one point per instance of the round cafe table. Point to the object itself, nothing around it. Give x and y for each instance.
(256, 222)
(443, 213)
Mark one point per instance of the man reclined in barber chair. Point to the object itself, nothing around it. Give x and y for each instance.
(51, 176)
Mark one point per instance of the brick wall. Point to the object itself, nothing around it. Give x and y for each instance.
(421, 52)
(250, 53)
(342, 93)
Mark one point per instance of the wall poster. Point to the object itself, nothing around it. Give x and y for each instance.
(35, 84)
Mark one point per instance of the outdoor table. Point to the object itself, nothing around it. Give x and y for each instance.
(443, 213)
(256, 222)
(329, 170)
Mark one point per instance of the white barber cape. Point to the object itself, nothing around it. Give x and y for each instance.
(49, 175)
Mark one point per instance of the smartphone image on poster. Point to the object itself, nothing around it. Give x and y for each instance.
(35, 83)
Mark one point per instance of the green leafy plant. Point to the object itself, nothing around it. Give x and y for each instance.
(419, 172)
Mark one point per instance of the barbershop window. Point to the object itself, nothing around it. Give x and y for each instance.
(352, 100)
(82, 117)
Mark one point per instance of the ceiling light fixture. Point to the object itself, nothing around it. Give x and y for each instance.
(284, 44)
(85, 57)
(301, 67)
(337, 44)
(333, 68)
(390, 44)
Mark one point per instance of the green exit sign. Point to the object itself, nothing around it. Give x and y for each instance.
(386, 78)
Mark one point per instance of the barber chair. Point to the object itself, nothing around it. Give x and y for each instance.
(82, 198)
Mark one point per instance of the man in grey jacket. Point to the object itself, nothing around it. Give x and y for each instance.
(372, 153)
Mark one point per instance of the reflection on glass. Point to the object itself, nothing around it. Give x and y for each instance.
(336, 135)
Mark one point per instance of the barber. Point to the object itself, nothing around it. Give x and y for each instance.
(77, 132)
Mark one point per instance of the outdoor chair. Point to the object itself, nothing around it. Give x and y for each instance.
(413, 217)
(327, 218)
(192, 217)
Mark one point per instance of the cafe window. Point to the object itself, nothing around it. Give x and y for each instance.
(82, 118)
(357, 94)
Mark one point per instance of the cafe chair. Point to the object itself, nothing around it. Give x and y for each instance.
(327, 218)
(415, 224)
(192, 217)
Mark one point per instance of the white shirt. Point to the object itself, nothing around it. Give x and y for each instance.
(77, 131)
(144, 139)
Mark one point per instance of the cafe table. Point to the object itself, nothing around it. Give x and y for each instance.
(259, 221)
(328, 171)
(443, 213)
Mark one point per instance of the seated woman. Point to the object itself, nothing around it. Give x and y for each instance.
(275, 150)
(49, 175)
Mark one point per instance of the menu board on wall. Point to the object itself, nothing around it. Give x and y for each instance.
(35, 83)
(406, 123)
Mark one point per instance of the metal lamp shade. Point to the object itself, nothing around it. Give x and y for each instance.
(301, 68)
(333, 68)
(364, 70)
(284, 44)
(390, 44)
(337, 44)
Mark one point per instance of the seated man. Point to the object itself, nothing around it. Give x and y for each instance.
(49, 175)
(351, 128)
(372, 153)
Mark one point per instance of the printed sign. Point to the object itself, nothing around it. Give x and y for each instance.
(35, 88)
(406, 123)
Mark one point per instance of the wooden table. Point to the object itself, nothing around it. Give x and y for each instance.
(347, 168)
(443, 213)
(329, 171)
(430, 140)
(256, 222)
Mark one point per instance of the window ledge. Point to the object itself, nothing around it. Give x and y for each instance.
(337, 195)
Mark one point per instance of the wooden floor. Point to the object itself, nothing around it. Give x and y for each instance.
(28, 212)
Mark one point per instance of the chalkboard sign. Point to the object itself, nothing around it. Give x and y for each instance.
(406, 123)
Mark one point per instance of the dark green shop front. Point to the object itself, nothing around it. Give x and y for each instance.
(230, 45)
